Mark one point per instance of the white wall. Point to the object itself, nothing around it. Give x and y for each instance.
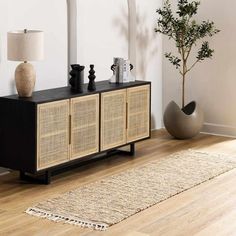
(149, 54)
(49, 16)
(102, 30)
(211, 83)
(103, 34)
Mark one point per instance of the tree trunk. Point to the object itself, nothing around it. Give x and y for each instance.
(185, 70)
(183, 91)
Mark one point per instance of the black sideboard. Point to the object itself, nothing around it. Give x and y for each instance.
(57, 128)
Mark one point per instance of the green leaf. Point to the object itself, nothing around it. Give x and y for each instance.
(187, 9)
(173, 59)
(204, 52)
(182, 27)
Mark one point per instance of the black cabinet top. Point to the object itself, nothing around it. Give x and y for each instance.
(55, 94)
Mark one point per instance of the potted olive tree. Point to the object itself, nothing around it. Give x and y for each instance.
(186, 32)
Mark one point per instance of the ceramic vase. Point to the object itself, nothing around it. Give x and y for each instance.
(77, 78)
(183, 123)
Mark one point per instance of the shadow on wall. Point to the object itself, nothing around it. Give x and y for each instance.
(153, 123)
(147, 48)
(146, 37)
(119, 23)
(12, 86)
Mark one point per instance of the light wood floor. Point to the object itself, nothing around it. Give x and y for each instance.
(208, 209)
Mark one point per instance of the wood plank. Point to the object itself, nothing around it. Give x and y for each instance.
(208, 209)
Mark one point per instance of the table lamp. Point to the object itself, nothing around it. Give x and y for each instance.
(25, 45)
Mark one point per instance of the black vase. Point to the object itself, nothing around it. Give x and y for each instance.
(77, 78)
(91, 84)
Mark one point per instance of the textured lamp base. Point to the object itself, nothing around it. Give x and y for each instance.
(25, 77)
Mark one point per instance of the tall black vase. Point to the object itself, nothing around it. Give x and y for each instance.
(77, 78)
(91, 84)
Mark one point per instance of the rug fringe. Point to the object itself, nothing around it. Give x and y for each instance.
(33, 211)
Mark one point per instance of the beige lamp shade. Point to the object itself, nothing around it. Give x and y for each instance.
(25, 45)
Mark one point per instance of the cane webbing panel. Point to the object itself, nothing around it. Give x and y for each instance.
(113, 119)
(138, 112)
(52, 134)
(84, 126)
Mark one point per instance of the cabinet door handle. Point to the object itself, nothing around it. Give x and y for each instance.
(70, 129)
(126, 115)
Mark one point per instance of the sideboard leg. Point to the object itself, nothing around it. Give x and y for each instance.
(22, 175)
(45, 180)
(47, 177)
(132, 149)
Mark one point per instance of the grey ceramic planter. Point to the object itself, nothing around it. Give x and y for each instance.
(183, 123)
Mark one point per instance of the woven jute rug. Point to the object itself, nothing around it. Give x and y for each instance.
(106, 202)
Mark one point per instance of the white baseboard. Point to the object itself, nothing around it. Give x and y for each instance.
(3, 171)
(221, 130)
(216, 129)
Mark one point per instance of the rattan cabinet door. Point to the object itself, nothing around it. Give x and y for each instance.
(138, 117)
(52, 133)
(84, 126)
(113, 119)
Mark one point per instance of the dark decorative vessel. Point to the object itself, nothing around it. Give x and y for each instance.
(77, 78)
(91, 85)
